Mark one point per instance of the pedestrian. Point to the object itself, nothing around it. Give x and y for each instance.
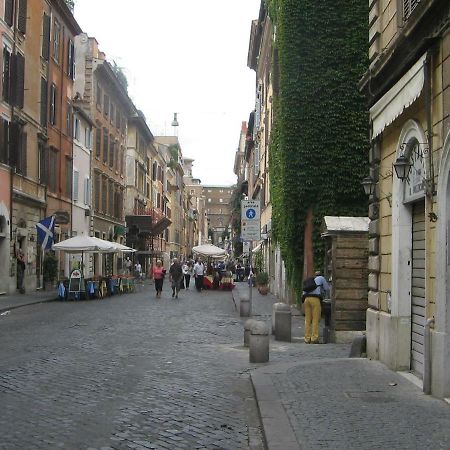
(20, 257)
(158, 273)
(138, 270)
(199, 270)
(128, 264)
(176, 276)
(314, 289)
(187, 272)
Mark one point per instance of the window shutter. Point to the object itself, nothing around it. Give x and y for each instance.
(6, 75)
(44, 102)
(3, 146)
(98, 142)
(14, 132)
(76, 176)
(22, 16)
(71, 60)
(18, 79)
(46, 37)
(9, 12)
(87, 191)
(23, 153)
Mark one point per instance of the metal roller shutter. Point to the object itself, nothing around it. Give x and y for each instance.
(418, 288)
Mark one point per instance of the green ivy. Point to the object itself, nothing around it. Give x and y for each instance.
(319, 139)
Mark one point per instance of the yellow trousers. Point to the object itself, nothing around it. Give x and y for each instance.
(313, 311)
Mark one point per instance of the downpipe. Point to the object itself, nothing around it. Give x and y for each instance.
(427, 357)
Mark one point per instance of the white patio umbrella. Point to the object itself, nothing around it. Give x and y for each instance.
(122, 248)
(82, 243)
(209, 251)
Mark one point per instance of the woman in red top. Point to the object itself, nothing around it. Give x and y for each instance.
(158, 273)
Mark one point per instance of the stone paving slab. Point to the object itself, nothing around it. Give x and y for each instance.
(9, 302)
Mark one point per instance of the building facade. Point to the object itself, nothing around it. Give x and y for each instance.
(218, 211)
(408, 87)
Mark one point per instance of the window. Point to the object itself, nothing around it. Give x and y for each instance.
(104, 194)
(97, 182)
(408, 7)
(154, 171)
(44, 102)
(112, 112)
(71, 59)
(111, 198)
(99, 96)
(76, 128)
(221, 200)
(69, 173)
(9, 12)
(53, 104)
(69, 120)
(46, 36)
(87, 191)
(105, 145)
(111, 150)
(6, 75)
(118, 114)
(122, 158)
(98, 142)
(4, 137)
(56, 40)
(106, 105)
(18, 147)
(22, 16)
(49, 168)
(76, 176)
(88, 138)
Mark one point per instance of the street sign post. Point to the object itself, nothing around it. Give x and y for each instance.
(250, 220)
(250, 231)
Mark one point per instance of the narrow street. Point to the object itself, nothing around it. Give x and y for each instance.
(129, 371)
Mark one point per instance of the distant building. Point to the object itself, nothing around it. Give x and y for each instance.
(218, 212)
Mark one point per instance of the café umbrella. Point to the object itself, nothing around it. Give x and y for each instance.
(209, 251)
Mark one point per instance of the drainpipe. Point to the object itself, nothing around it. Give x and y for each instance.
(427, 357)
(430, 188)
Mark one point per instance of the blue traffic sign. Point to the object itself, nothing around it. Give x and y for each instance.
(250, 213)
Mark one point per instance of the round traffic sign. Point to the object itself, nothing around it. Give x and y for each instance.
(250, 213)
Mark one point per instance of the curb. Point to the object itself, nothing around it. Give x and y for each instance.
(10, 308)
(277, 429)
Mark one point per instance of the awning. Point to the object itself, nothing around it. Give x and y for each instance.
(160, 226)
(398, 98)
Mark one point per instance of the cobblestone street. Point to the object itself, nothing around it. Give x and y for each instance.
(129, 371)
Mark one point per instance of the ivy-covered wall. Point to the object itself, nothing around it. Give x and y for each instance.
(319, 142)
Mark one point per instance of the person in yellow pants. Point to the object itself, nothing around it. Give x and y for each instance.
(313, 291)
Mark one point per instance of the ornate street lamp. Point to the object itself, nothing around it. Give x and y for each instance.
(368, 185)
(402, 167)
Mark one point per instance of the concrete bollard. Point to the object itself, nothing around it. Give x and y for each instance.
(259, 343)
(244, 306)
(247, 330)
(274, 307)
(283, 322)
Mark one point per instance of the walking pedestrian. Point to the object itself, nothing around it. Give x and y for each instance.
(199, 270)
(158, 273)
(313, 292)
(176, 276)
(187, 272)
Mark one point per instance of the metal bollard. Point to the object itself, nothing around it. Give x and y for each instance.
(247, 330)
(283, 323)
(274, 307)
(259, 343)
(244, 306)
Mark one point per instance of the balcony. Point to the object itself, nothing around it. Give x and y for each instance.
(147, 221)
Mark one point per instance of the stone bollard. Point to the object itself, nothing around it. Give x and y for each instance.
(244, 306)
(274, 307)
(247, 330)
(283, 322)
(259, 343)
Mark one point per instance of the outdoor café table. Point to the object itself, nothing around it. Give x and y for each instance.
(113, 286)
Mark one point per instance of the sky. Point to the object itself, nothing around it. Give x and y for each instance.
(188, 57)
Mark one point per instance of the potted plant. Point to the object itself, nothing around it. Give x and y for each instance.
(50, 269)
(262, 282)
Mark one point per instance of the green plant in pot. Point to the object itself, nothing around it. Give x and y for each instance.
(50, 268)
(262, 282)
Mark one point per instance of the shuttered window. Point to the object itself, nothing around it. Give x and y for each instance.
(43, 163)
(97, 189)
(56, 40)
(98, 142)
(408, 7)
(53, 169)
(22, 16)
(104, 195)
(71, 59)
(106, 105)
(99, 96)
(105, 145)
(111, 150)
(6, 76)
(4, 126)
(87, 191)
(69, 175)
(46, 36)
(9, 12)
(76, 178)
(53, 104)
(18, 79)
(18, 148)
(44, 102)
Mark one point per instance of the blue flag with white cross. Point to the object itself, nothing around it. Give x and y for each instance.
(45, 232)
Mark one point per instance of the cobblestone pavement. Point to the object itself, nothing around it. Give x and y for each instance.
(126, 372)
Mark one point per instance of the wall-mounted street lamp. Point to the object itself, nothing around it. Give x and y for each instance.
(402, 167)
(368, 185)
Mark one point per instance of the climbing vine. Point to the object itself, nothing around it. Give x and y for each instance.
(317, 154)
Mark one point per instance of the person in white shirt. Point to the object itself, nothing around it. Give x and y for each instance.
(199, 270)
(187, 272)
